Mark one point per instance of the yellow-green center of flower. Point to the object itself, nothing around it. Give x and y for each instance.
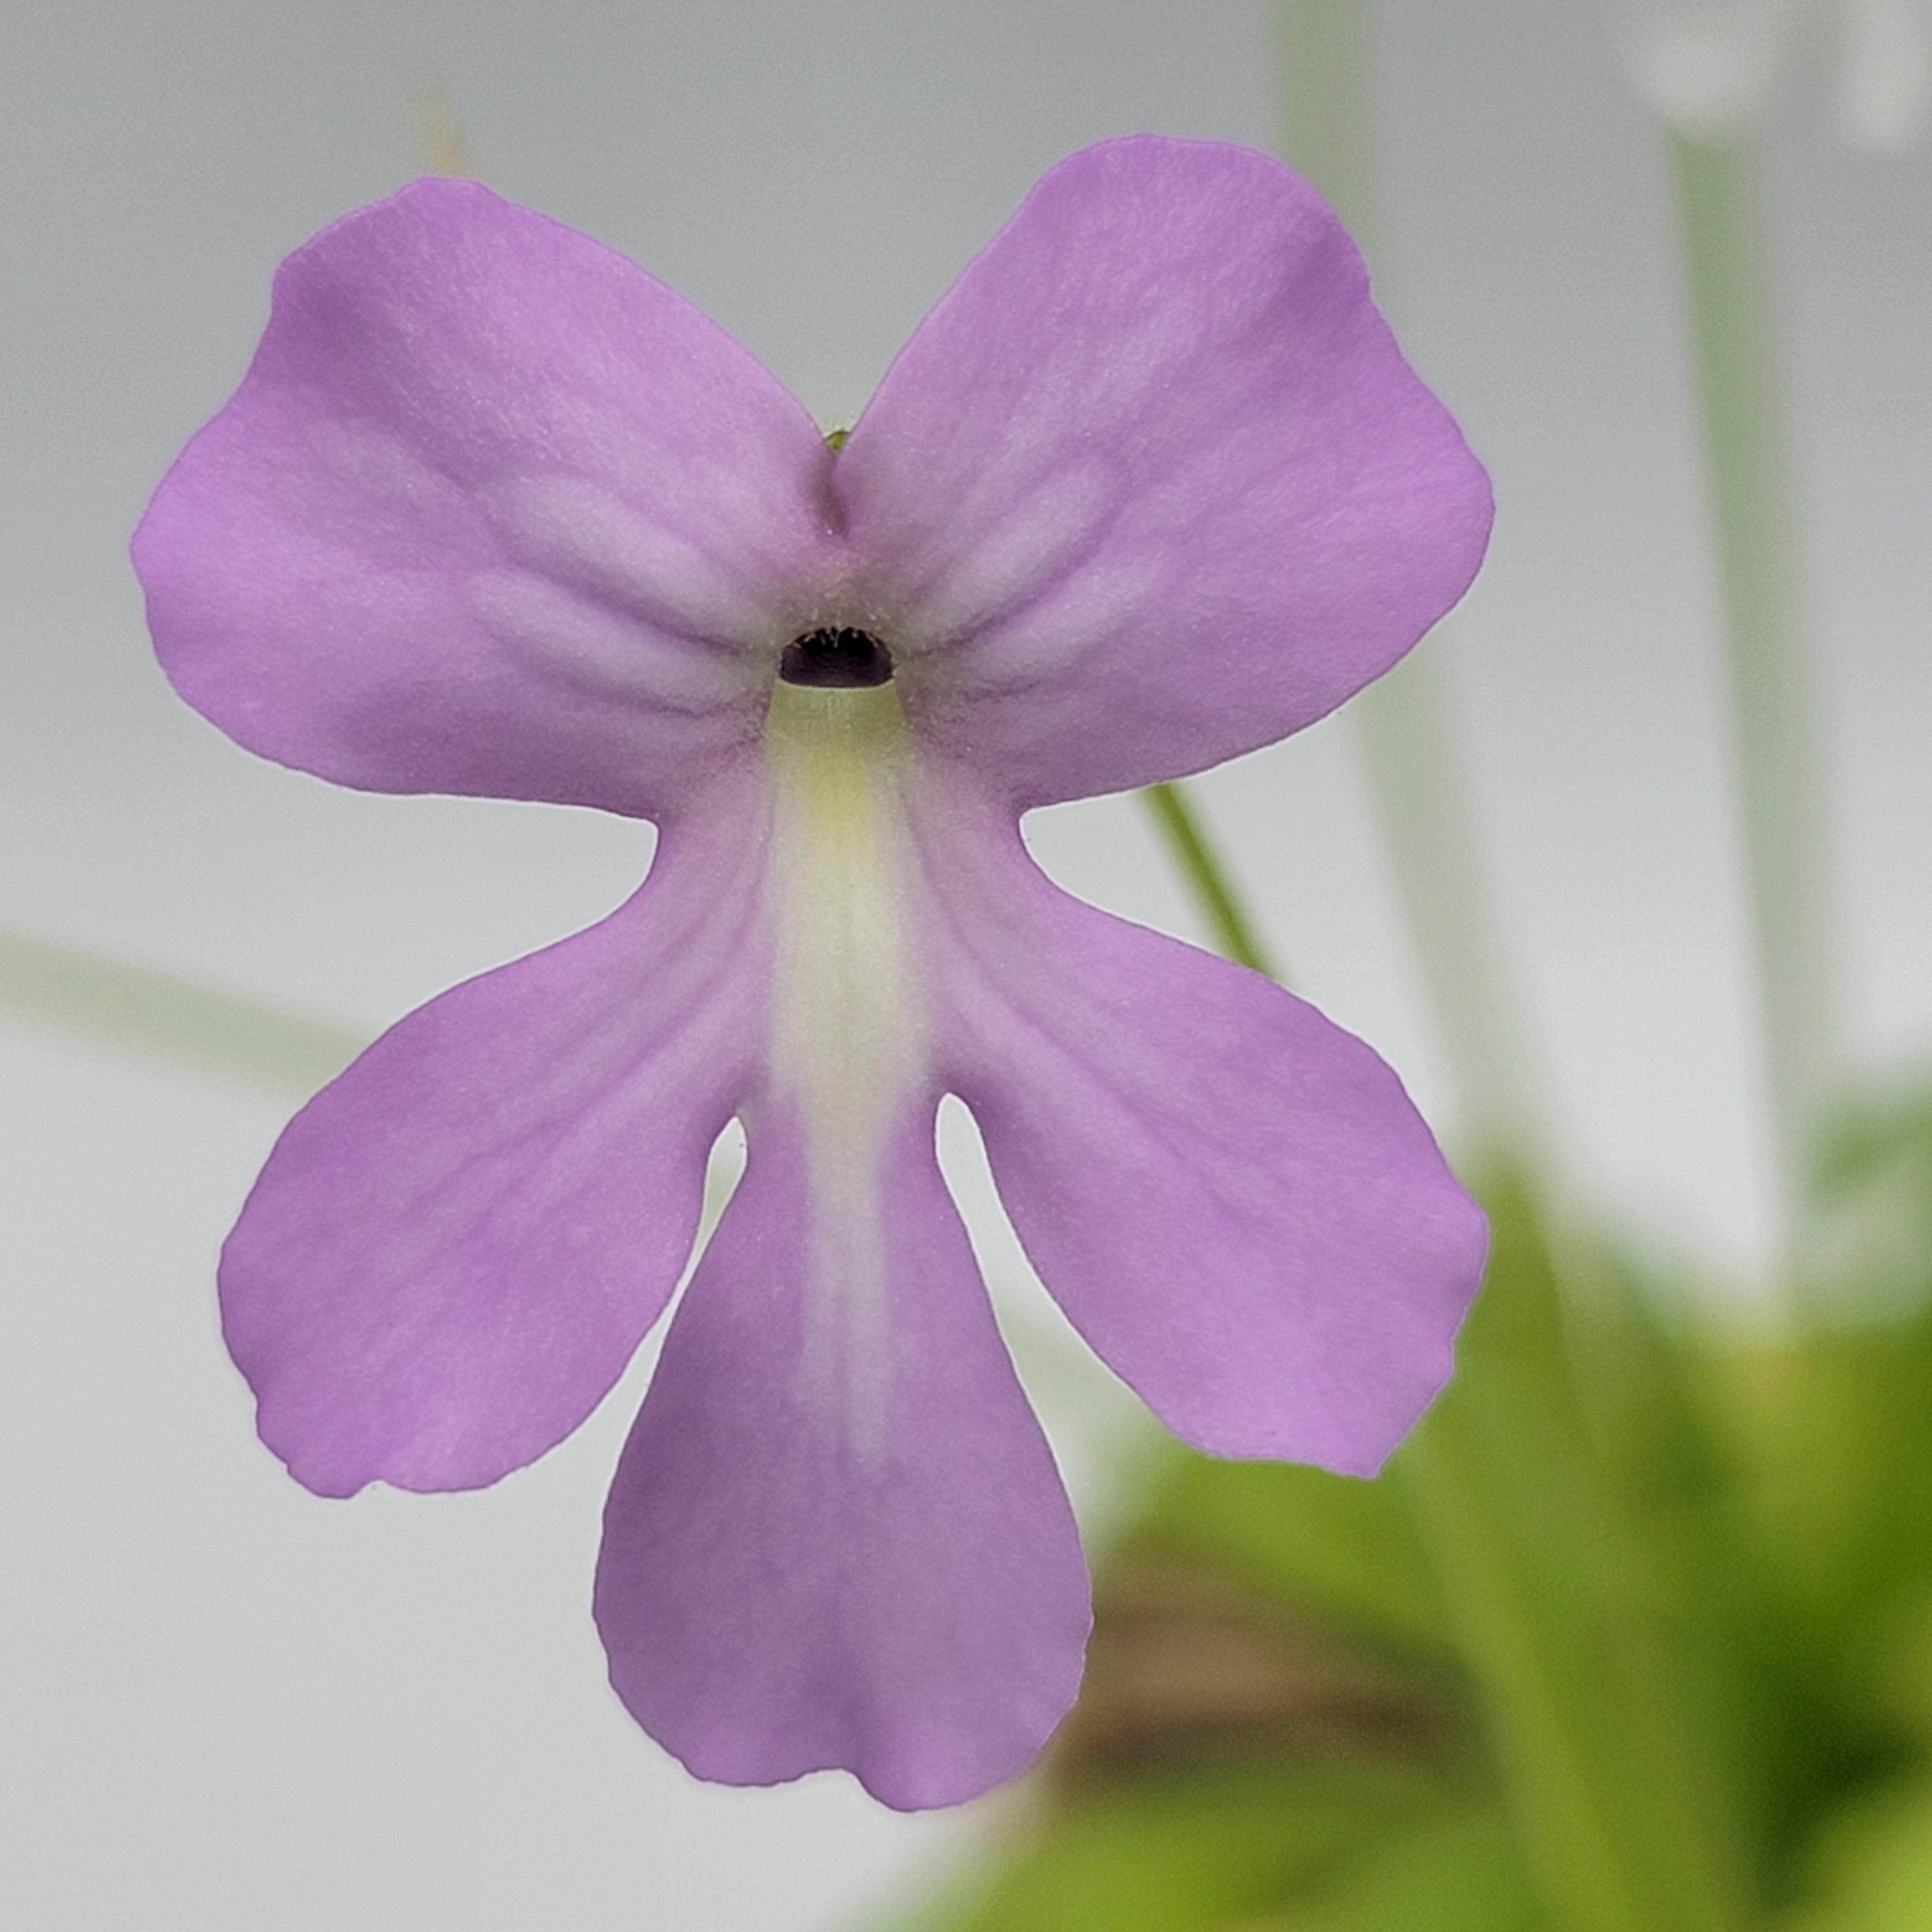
(848, 1022)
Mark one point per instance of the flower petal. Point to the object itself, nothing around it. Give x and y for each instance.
(493, 512)
(1152, 485)
(834, 1543)
(456, 1247)
(1234, 1201)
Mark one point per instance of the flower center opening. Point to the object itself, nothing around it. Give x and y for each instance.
(836, 658)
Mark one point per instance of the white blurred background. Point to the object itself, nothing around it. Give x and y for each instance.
(226, 1704)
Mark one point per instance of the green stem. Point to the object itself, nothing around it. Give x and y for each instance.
(129, 1009)
(1599, 1698)
(1418, 782)
(1202, 870)
(1411, 756)
(1754, 520)
(1324, 65)
(1576, 1674)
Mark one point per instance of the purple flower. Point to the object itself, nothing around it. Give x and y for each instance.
(494, 512)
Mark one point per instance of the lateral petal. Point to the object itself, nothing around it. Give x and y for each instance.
(1233, 1200)
(456, 1246)
(1152, 485)
(493, 512)
(836, 1537)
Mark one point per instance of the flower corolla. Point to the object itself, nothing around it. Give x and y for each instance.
(495, 512)
(1720, 68)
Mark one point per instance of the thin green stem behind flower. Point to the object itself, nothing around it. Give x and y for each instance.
(1202, 870)
(1413, 761)
(1594, 1747)
(133, 1010)
(1754, 527)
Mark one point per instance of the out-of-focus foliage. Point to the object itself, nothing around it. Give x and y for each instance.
(1634, 1635)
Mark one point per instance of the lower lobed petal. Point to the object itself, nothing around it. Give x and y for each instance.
(837, 1536)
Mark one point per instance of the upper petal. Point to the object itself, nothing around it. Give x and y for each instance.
(1234, 1201)
(456, 1246)
(493, 512)
(1152, 485)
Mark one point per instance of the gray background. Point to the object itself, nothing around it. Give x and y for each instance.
(225, 1704)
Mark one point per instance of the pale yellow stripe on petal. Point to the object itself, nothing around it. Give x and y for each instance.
(849, 1029)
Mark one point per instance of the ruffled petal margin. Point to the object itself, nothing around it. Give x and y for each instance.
(834, 1544)
(1234, 1201)
(456, 1247)
(493, 512)
(1152, 485)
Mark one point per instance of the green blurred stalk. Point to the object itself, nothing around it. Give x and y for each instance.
(130, 1009)
(1200, 868)
(1324, 47)
(1413, 765)
(1607, 1718)
(1544, 1583)
(1753, 514)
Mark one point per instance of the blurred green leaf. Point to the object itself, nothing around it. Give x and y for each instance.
(1830, 1431)
(1872, 1866)
(1608, 1711)
(1331, 1546)
(1462, 1872)
(134, 1010)
(1197, 1852)
(1874, 1184)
